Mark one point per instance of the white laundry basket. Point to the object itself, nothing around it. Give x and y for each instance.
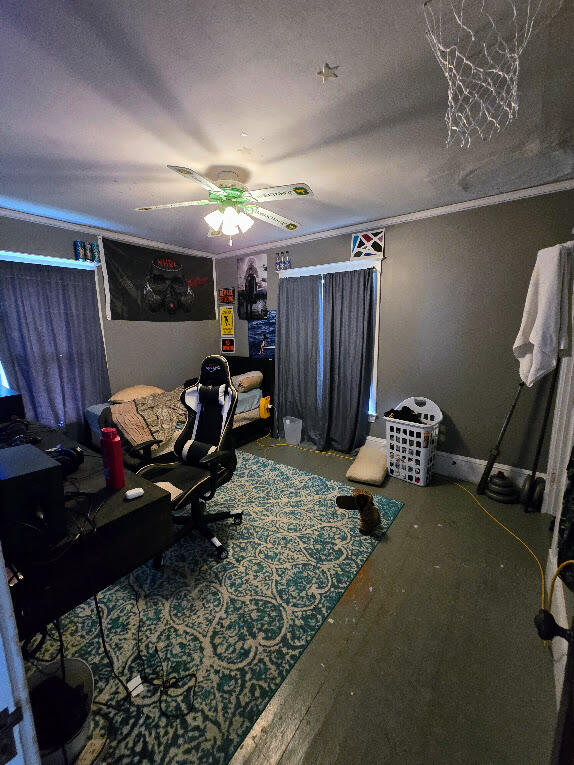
(411, 447)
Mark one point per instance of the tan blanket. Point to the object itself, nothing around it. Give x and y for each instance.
(131, 424)
(151, 417)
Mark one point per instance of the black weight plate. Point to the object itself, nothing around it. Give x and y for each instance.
(501, 483)
(504, 498)
(525, 491)
(538, 493)
(502, 489)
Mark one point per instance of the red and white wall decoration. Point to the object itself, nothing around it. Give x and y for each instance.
(368, 244)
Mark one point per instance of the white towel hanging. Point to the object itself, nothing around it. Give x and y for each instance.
(544, 331)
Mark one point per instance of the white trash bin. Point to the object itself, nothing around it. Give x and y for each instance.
(292, 430)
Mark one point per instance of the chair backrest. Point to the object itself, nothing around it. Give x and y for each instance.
(210, 405)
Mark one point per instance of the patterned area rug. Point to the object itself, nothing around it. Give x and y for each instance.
(239, 624)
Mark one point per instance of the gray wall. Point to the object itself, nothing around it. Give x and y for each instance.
(452, 294)
(163, 353)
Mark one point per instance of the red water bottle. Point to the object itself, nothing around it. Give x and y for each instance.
(112, 454)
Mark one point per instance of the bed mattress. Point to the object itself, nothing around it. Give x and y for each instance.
(246, 402)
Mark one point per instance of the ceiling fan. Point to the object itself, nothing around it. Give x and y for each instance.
(235, 203)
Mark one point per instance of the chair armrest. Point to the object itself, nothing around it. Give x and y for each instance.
(212, 460)
(144, 449)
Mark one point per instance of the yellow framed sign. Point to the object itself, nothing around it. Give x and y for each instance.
(226, 321)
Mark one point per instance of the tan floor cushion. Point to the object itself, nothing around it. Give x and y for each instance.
(370, 465)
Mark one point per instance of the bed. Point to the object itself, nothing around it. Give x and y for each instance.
(248, 425)
(166, 416)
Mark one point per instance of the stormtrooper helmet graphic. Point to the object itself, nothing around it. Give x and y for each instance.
(165, 288)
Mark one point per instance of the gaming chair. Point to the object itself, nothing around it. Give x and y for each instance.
(204, 456)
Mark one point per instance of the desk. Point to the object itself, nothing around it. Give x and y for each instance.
(124, 536)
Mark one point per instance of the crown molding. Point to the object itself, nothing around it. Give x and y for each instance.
(5, 212)
(495, 199)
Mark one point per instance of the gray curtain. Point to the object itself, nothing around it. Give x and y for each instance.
(51, 342)
(324, 357)
(297, 354)
(348, 329)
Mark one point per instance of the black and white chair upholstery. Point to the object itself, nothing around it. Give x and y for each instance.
(203, 455)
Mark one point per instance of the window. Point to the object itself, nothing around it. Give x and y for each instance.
(339, 267)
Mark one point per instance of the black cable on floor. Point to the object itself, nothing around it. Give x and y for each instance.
(106, 651)
(165, 684)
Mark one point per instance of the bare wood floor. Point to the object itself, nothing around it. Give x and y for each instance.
(431, 655)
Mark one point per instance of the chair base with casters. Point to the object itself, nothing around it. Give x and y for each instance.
(203, 457)
(198, 521)
(173, 477)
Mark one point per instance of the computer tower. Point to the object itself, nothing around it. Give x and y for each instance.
(32, 515)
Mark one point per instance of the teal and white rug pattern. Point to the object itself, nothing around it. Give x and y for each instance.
(238, 624)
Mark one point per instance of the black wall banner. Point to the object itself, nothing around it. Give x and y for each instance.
(144, 284)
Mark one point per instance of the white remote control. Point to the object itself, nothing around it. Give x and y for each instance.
(134, 493)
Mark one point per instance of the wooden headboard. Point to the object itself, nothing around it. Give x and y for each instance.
(238, 365)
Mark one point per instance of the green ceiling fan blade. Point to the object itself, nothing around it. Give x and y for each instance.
(277, 193)
(192, 175)
(271, 217)
(177, 204)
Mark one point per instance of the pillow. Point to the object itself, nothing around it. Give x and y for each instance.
(247, 381)
(135, 391)
(370, 465)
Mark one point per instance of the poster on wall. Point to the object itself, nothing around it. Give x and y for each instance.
(145, 284)
(369, 244)
(227, 345)
(261, 336)
(226, 295)
(252, 287)
(226, 321)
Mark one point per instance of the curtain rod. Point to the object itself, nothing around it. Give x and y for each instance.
(329, 268)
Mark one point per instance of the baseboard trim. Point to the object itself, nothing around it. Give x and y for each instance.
(464, 468)
(559, 612)
(471, 469)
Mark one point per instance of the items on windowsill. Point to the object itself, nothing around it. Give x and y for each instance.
(88, 251)
(406, 414)
(362, 501)
(282, 261)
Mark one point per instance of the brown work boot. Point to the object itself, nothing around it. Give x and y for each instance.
(369, 514)
(362, 501)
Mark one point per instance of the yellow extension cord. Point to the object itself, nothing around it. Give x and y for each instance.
(302, 449)
(522, 542)
(460, 486)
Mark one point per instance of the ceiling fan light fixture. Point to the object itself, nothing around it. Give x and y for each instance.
(214, 219)
(235, 203)
(229, 225)
(244, 222)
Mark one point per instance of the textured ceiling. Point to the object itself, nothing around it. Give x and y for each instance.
(98, 97)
